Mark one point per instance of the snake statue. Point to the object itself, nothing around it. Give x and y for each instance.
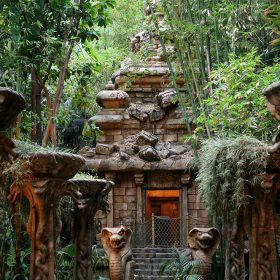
(203, 243)
(116, 243)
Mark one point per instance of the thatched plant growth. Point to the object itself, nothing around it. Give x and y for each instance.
(230, 171)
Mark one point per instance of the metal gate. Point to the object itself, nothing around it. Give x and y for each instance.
(162, 231)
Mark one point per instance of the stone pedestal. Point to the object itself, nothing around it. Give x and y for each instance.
(93, 198)
(44, 224)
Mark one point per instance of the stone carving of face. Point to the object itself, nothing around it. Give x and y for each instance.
(205, 239)
(116, 238)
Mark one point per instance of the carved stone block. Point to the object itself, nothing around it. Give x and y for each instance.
(103, 149)
(149, 154)
(204, 242)
(116, 243)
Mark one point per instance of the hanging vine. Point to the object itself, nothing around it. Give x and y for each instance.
(229, 169)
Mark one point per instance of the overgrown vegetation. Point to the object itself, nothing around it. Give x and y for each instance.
(59, 55)
(225, 53)
(236, 105)
(181, 268)
(231, 169)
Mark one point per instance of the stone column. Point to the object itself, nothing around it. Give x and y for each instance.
(184, 226)
(111, 176)
(234, 261)
(94, 194)
(261, 232)
(44, 224)
(139, 178)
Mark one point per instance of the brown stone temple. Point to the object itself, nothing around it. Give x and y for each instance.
(142, 147)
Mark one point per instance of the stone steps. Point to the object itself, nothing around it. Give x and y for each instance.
(139, 277)
(149, 260)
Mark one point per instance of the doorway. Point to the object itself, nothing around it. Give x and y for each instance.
(162, 212)
(162, 203)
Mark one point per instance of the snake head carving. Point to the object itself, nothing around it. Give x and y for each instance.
(115, 238)
(204, 239)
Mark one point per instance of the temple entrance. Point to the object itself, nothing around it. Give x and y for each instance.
(162, 203)
(162, 208)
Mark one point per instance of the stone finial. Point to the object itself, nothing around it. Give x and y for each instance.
(110, 86)
(112, 99)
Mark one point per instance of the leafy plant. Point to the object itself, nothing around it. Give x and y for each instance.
(237, 106)
(65, 262)
(181, 268)
(230, 168)
(98, 260)
(24, 264)
(272, 13)
(91, 131)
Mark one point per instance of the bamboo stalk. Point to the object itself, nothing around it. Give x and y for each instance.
(185, 73)
(180, 97)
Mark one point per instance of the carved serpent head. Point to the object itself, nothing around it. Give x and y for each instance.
(206, 240)
(116, 238)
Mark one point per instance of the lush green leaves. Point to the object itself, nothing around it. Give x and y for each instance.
(181, 267)
(237, 106)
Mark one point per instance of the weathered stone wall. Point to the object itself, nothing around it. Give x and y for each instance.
(140, 98)
(124, 198)
(171, 128)
(196, 207)
(163, 180)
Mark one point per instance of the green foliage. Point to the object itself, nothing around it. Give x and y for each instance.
(7, 238)
(84, 176)
(65, 262)
(98, 261)
(24, 264)
(237, 105)
(181, 268)
(272, 13)
(229, 169)
(8, 243)
(91, 130)
(128, 18)
(26, 147)
(204, 34)
(39, 36)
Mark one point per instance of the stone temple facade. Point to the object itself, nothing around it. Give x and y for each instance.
(142, 147)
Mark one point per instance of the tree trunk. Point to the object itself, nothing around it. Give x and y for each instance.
(36, 134)
(51, 127)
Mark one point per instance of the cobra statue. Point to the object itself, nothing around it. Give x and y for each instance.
(116, 243)
(203, 243)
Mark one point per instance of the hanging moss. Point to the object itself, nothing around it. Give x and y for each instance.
(230, 169)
